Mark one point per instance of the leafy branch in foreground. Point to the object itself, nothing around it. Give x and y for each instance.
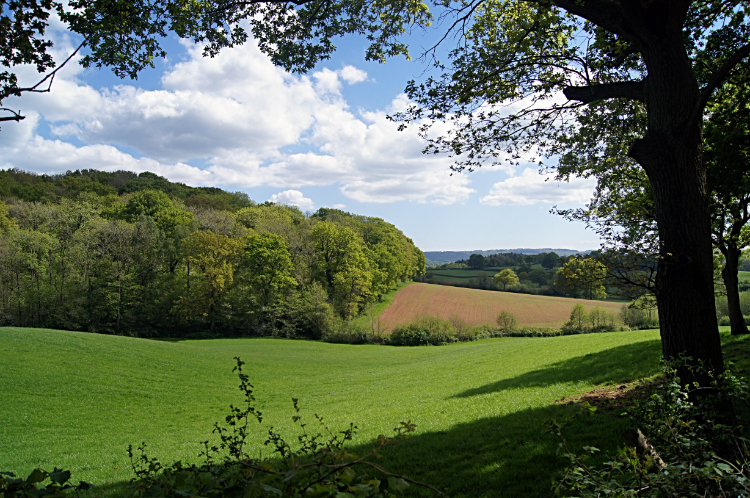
(688, 448)
(34, 487)
(319, 465)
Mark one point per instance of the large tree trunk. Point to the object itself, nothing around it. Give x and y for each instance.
(671, 154)
(731, 282)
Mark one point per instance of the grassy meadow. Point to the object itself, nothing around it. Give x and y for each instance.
(76, 400)
(481, 307)
(463, 275)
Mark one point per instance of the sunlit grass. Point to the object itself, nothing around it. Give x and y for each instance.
(76, 400)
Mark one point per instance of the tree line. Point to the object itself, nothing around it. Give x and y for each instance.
(139, 255)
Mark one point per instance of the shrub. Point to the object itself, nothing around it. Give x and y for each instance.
(637, 317)
(724, 320)
(423, 331)
(506, 321)
(349, 332)
(34, 486)
(679, 446)
(533, 332)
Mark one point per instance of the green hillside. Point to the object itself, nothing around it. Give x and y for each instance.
(76, 400)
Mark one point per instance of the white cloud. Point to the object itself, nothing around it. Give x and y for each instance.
(293, 198)
(352, 75)
(339, 206)
(531, 188)
(239, 115)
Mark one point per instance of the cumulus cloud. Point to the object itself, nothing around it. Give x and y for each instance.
(352, 75)
(236, 115)
(531, 188)
(293, 198)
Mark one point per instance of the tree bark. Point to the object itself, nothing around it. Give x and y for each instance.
(731, 282)
(671, 154)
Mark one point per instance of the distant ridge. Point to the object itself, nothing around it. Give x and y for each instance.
(442, 257)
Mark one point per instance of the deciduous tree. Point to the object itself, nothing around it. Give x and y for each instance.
(506, 277)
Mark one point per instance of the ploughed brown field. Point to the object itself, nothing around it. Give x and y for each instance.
(477, 307)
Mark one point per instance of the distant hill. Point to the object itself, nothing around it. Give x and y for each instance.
(442, 257)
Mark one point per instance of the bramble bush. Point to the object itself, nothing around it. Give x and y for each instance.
(677, 447)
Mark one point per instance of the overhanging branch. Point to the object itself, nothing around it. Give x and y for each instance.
(16, 116)
(717, 79)
(632, 90)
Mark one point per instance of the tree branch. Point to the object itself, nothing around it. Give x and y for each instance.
(604, 13)
(717, 79)
(16, 116)
(632, 90)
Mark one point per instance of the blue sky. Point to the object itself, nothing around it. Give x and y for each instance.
(318, 140)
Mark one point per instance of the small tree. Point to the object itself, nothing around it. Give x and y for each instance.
(505, 277)
(506, 321)
(578, 317)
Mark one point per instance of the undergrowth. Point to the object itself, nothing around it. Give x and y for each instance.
(684, 442)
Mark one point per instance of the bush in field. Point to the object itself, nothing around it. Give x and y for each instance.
(639, 319)
(506, 321)
(464, 331)
(596, 320)
(423, 331)
(343, 331)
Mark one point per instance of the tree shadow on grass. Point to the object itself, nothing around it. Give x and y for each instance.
(496, 457)
(505, 456)
(619, 364)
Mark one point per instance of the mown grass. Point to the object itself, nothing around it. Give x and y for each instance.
(77, 400)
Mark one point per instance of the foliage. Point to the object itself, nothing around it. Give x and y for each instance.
(167, 259)
(423, 331)
(317, 464)
(506, 321)
(506, 277)
(690, 449)
(639, 318)
(582, 276)
(34, 486)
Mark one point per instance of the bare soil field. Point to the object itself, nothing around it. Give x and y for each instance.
(477, 307)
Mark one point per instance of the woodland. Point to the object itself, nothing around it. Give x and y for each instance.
(139, 255)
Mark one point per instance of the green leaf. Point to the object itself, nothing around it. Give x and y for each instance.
(38, 475)
(724, 467)
(397, 484)
(272, 490)
(59, 476)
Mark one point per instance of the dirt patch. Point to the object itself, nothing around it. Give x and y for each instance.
(616, 397)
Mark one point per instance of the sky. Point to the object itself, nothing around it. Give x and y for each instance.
(316, 140)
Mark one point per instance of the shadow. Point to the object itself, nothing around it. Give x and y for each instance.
(117, 489)
(619, 364)
(505, 456)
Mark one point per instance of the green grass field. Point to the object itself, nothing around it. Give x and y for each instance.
(743, 275)
(76, 400)
(464, 274)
